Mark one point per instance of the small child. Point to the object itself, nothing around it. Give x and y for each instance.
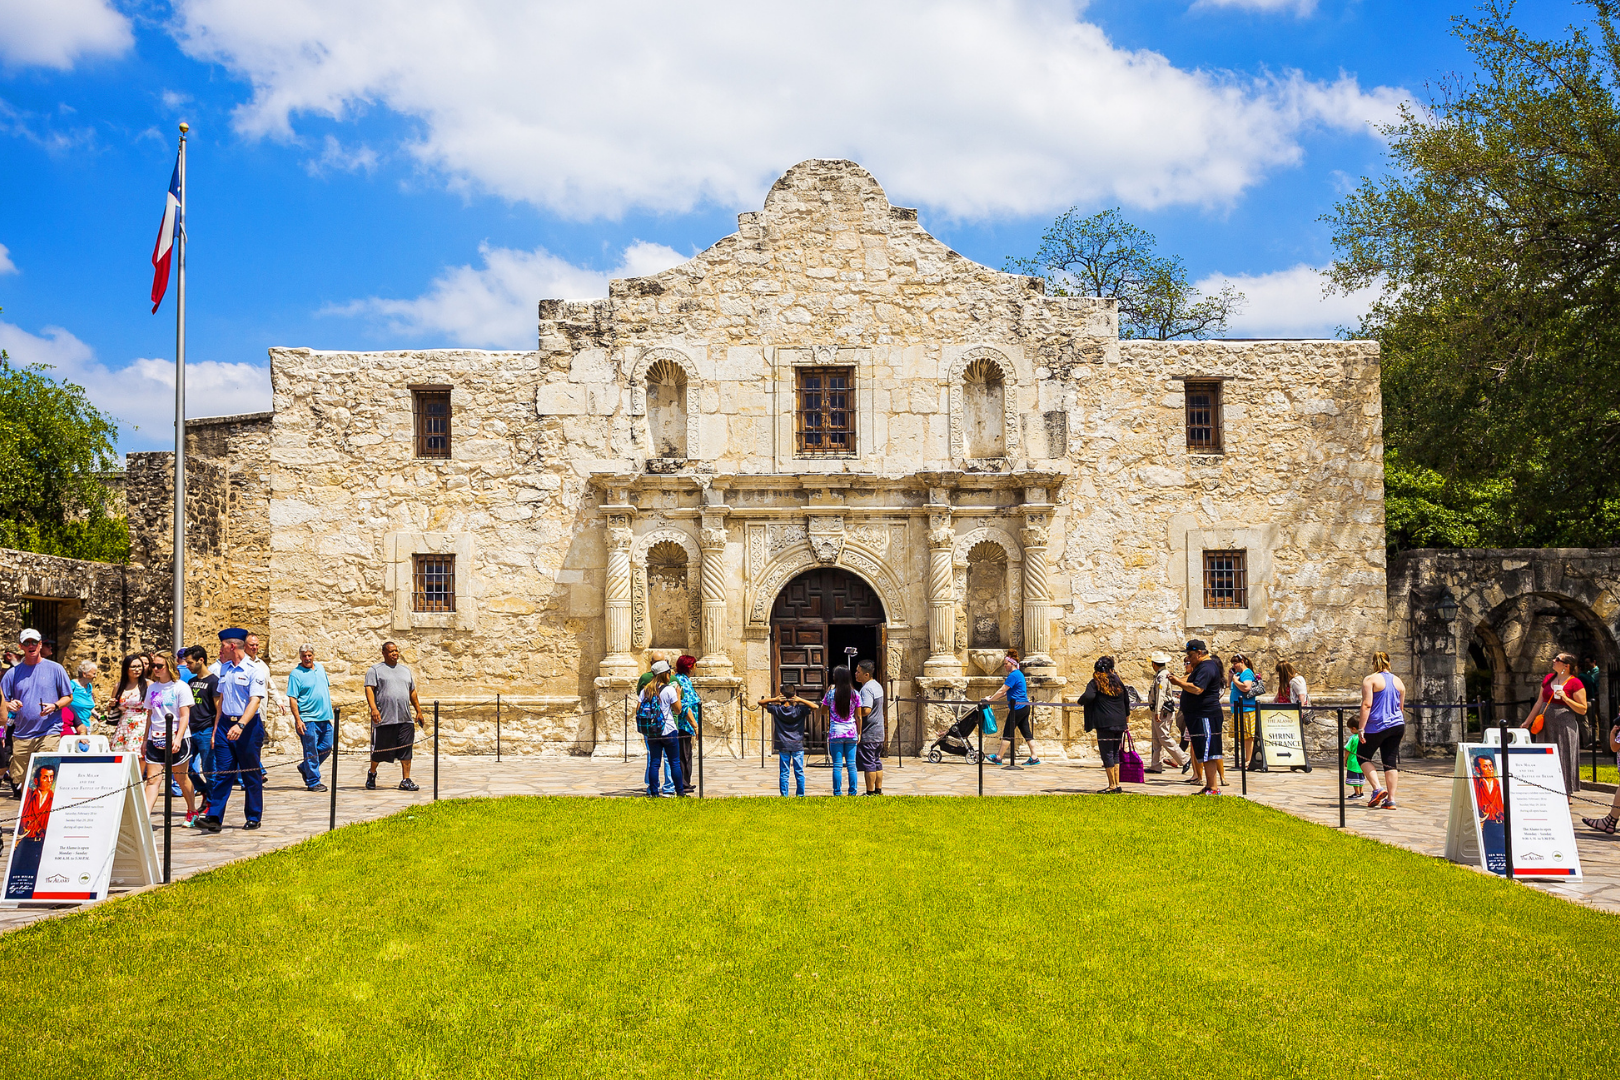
(1352, 768)
(790, 713)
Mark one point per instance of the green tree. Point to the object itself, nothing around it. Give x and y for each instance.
(54, 446)
(1495, 240)
(1105, 255)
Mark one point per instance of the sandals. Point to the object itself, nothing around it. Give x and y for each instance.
(1604, 825)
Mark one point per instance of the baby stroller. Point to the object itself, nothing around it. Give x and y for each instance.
(956, 740)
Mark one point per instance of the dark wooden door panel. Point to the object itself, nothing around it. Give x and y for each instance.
(827, 595)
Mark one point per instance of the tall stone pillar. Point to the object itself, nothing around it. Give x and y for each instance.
(616, 593)
(1037, 594)
(942, 661)
(712, 541)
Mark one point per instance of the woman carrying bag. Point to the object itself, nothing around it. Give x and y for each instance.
(1108, 713)
(1557, 717)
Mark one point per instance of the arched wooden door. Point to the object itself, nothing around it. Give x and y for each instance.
(816, 617)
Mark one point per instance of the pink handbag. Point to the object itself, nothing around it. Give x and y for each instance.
(1130, 762)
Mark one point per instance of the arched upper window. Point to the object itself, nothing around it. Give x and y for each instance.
(984, 410)
(666, 409)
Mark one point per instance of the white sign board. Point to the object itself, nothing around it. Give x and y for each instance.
(1282, 736)
(1543, 835)
(83, 828)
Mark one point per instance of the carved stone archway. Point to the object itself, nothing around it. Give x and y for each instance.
(955, 381)
(989, 534)
(792, 561)
(640, 631)
(638, 389)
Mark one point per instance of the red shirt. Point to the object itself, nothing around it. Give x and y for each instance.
(1570, 687)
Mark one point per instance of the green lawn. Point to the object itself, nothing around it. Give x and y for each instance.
(1123, 937)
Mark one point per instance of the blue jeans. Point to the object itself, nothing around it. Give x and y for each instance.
(317, 740)
(797, 759)
(202, 760)
(667, 747)
(669, 780)
(843, 759)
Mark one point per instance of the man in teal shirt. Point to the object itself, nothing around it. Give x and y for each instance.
(310, 694)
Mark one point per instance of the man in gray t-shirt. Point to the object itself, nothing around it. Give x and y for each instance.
(869, 754)
(391, 696)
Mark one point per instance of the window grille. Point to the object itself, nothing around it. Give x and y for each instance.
(42, 615)
(1226, 579)
(433, 583)
(432, 423)
(826, 412)
(1204, 417)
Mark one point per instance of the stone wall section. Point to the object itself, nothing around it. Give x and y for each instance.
(553, 459)
(93, 606)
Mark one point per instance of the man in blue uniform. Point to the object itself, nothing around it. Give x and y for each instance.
(238, 732)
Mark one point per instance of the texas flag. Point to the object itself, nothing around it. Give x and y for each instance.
(167, 232)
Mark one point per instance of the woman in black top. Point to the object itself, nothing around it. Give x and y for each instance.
(1108, 712)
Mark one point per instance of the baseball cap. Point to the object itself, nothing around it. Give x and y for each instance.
(1196, 645)
(28, 635)
(659, 667)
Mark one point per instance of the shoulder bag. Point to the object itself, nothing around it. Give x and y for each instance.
(1130, 762)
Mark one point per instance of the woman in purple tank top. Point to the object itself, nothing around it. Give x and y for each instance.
(1383, 722)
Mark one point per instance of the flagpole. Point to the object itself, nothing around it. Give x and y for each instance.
(180, 413)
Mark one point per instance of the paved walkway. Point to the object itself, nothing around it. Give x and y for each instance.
(292, 814)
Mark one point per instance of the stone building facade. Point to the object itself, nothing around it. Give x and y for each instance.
(827, 432)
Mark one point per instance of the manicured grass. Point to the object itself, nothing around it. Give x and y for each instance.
(1122, 937)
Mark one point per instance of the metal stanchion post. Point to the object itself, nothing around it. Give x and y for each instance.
(435, 751)
(1507, 808)
(981, 749)
(627, 729)
(168, 789)
(1343, 765)
(699, 738)
(1243, 755)
(337, 745)
(497, 729)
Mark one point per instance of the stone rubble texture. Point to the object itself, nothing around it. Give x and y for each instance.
(554, 488)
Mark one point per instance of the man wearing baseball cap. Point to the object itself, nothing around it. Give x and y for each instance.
(35, 692)
(1201, 705)
(1162, 710)
(238, 734)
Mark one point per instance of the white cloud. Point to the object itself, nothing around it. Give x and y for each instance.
(55, 33)
(1290, 303)
(1301, 8)
(334, 155)
(140, 394)
(496, 305)
(6, 265)
(972, 107)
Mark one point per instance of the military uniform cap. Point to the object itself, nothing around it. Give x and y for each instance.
(235, 633)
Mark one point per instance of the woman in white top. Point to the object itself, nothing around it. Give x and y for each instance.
(167, 696)
(1291, 686)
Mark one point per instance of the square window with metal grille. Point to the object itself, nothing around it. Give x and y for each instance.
(42, 615)
(432, 422)
(1204, 417)
(434, 583)
(1226, 579)
(825, 417)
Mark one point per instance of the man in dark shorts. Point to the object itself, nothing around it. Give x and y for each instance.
(391, 695)
(1201, 705)
(869, 752)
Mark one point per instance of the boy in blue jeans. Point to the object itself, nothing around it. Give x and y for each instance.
(790, 713)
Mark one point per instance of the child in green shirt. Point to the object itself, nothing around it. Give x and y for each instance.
(1352, 767)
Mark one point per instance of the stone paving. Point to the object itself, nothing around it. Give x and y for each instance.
(293, 814)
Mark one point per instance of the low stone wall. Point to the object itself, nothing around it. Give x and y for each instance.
(94, 620)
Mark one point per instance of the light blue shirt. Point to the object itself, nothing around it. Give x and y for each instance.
(1237, 692)
(237, 684)
(311, 691)
(1017, 689)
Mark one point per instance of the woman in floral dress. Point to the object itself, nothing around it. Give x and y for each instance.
(127, 709)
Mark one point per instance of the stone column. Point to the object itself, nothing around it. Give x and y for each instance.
(1037, 595)
(712, 541)
(616, 593)
(942, 661)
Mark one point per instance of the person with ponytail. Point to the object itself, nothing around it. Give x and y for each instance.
(1383, 723)
(1108, 713)
(843, 727)
(1016, 690)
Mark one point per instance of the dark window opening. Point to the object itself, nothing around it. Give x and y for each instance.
(826, 411)
(1204, 417)
(432, 423)
(1226, 579)
(433, 583)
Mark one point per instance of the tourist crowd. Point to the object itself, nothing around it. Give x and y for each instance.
(200, 726)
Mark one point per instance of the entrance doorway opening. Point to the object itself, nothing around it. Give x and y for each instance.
(817, 616)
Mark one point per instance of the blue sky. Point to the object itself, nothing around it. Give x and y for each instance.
(370, 174)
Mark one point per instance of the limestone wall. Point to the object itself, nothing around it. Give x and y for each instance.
(91, 604)
(560, 454)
